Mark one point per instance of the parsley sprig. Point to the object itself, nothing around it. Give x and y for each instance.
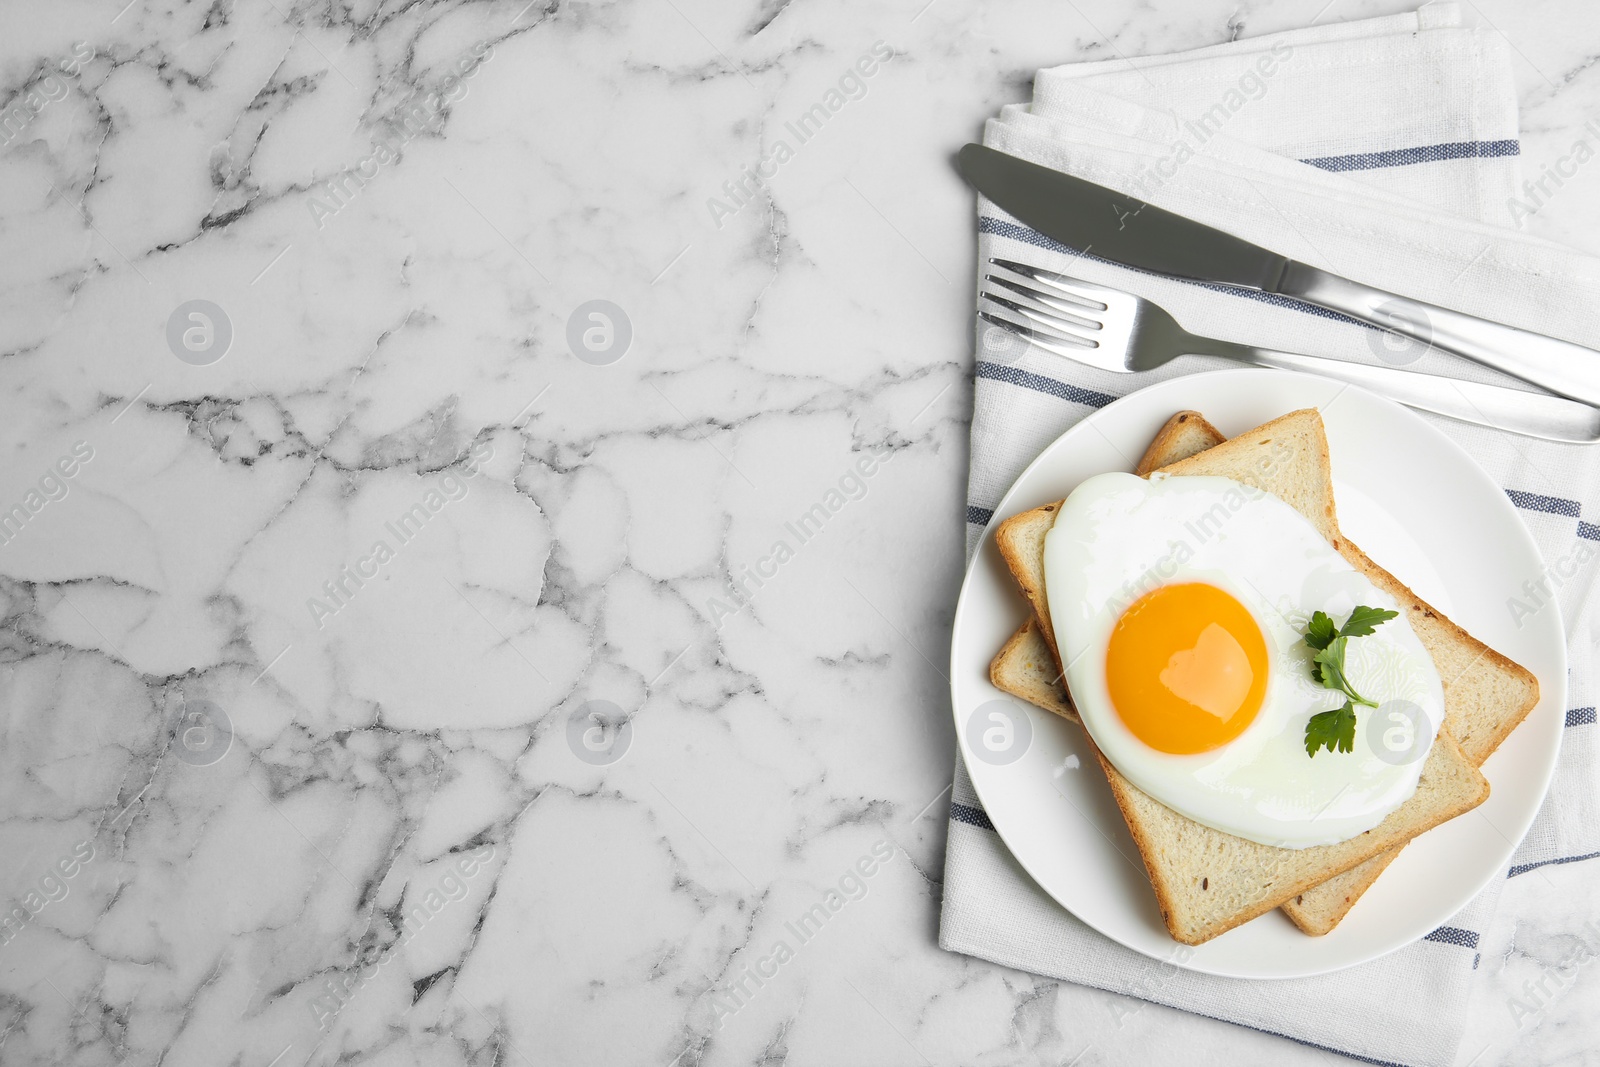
(1336, 730)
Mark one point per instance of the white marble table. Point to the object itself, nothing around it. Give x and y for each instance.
(365, 528)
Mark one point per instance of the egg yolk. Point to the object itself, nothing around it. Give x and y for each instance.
(1187, 668)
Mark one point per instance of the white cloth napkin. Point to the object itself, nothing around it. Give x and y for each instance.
(1385, 150)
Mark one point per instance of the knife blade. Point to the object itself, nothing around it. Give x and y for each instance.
(1102, 222)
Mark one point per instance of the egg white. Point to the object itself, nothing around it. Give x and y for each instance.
(1118, 536)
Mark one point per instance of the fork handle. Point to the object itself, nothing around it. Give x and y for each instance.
(1552, 418)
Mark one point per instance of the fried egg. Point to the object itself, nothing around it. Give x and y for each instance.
(1180, 606)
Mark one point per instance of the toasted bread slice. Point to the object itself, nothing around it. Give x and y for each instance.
(1185, 434)
(1207, 882)
(1026, 667)
(1486, 695)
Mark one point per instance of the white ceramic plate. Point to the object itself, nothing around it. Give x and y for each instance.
(1415, 502)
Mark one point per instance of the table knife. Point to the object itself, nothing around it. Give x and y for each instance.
(1102, 222)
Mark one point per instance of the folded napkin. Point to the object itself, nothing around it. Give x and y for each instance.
(1385, 150)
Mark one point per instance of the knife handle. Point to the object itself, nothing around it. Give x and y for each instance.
(1559, 366)
(1552, 418)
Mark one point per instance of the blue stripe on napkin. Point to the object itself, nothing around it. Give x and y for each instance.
(1039, 383)
(1580, 716)
(1553, 505)
(1453, 935)
(1404, 157)
(971, 816)
(1524, 868)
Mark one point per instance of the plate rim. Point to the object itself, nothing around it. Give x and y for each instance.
(1257, 374)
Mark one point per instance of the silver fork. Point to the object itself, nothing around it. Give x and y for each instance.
(1119, 331)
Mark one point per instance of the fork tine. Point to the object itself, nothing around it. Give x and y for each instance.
(1069, 331)
(1067, 309)
(1073, 288)
(1034, 337)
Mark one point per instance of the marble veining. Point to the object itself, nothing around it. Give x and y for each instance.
(400, 663)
